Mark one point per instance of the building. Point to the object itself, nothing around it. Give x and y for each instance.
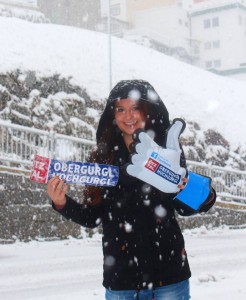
(164, 23)
(220, 29)
(119, 22)
(84, 14)
(29, 4)
(118, 17)
(118, 9)
(210, 34)
(22, 9)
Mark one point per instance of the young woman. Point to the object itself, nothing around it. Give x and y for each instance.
(143, 247)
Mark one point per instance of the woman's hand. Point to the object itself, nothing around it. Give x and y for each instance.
(56, 190)
(182, 186)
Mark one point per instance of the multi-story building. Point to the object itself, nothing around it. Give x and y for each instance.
(220, 28)
(119, 22)
(164, 22)
(161, 18)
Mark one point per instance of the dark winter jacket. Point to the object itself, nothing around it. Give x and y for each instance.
(142, 242)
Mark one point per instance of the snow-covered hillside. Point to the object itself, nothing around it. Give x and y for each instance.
(213, 102)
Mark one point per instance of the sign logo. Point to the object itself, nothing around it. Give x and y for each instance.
(40, 169)
(162, 171)
(152, 165)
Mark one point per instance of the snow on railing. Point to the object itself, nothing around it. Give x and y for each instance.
(19, 144)
(227, 182)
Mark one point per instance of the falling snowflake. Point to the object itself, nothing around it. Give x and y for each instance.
(109, 261)
(128, 227)
(160, 211)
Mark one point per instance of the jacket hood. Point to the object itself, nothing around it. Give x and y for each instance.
(136, 90)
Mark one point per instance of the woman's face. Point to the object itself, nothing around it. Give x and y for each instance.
(129, 116)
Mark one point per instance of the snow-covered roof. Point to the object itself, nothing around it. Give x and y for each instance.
(20, 3)
(215, 6)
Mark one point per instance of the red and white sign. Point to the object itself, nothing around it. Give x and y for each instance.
(152, 165)
(40, 169)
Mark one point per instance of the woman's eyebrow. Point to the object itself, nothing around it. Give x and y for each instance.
(119, 105)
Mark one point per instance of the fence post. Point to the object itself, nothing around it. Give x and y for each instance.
(210, 170)
(52, 143)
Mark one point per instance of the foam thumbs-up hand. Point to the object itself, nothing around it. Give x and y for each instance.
(156, 165)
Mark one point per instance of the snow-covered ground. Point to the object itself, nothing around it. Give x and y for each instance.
(72, 269)
(212, 101)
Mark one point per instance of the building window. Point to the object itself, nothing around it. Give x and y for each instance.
(215, 22)
(213, 44)
(115, 10)
(217, 63)
(208, 64)
(196, 50)
(216, 44)
(206, 23)
(207, 45)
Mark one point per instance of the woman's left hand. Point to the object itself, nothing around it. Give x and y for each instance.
(182, 186)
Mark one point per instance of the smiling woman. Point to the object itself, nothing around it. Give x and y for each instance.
(143, 247)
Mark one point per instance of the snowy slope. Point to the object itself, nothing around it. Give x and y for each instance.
(212, 101)
(72, 269)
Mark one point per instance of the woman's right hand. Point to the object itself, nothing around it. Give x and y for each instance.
(56, 190)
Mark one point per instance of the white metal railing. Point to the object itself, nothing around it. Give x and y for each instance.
(19, 144)
(228, 183)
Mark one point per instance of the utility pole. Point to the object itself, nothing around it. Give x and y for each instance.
(109, 47)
